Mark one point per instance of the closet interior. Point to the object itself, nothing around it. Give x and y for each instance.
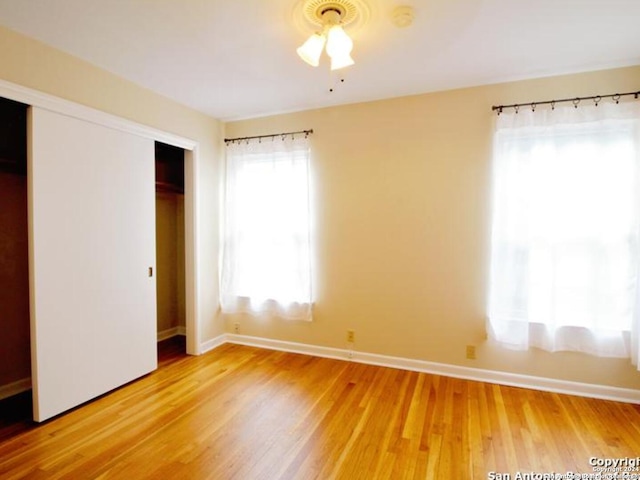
(170, 241)
(15, 361)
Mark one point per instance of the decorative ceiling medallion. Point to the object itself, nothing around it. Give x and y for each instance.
(307, 14)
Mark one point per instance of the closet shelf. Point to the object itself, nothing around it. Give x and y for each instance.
(166, 187)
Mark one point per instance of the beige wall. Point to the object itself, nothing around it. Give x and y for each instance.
(402, 193)
(32, 64)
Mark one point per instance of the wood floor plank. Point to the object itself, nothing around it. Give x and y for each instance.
(247, 413)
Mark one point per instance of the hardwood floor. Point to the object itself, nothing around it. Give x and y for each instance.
(245, 413)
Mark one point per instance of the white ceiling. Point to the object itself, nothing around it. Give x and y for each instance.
(236, 58)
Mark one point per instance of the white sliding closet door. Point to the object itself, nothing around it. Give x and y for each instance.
(92, 242)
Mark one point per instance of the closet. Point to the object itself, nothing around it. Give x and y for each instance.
(78, 268)
(15, 364)
(170, 241)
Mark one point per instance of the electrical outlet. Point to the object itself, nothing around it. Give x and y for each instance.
(351, 336)
(471, 352)
(236, 327)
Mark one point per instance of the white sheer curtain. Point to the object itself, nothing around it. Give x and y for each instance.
(565, 236)
(266, 261)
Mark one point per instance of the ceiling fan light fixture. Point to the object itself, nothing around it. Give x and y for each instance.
(331, 16)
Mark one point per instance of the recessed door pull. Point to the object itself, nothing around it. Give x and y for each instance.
(151, 271)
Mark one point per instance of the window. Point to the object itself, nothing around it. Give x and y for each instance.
(266, 266)
(565, 234)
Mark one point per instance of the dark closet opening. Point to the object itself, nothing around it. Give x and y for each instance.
(170, 247)
(15, 343)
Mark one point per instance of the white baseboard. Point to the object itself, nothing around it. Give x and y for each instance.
(293, 347)
(171, 332)
(490, 376)
(626, 395)
(15, 388)
(213, 343)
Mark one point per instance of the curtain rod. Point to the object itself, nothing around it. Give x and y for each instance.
(596, 98)
(273, 135)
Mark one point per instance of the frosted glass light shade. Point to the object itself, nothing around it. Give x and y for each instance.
(311, 50)
(341, 61)
(339, 46)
